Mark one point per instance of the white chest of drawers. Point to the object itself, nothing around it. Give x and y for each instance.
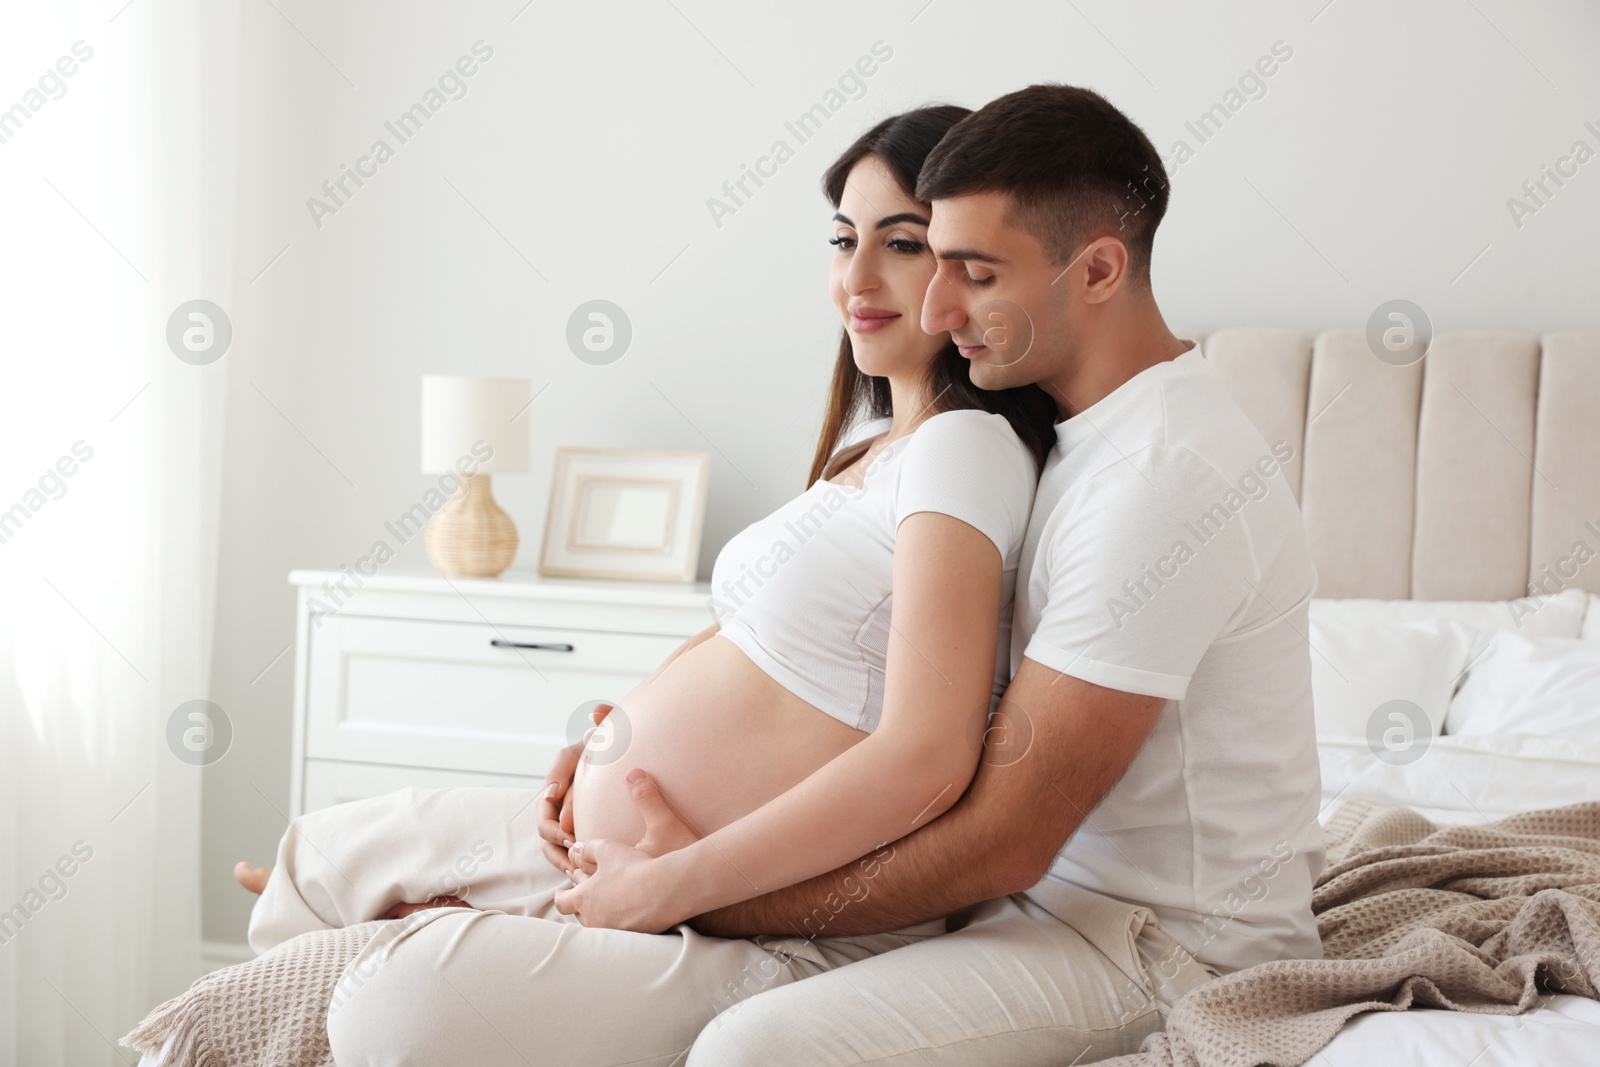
(415, 679)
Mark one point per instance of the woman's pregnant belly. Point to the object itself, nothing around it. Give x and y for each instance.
(715, 731)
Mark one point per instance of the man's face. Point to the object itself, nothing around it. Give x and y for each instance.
(994, 293)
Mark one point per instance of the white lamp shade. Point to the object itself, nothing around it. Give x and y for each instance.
(458, 413)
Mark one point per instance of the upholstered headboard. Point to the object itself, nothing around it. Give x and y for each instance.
(1463, 476)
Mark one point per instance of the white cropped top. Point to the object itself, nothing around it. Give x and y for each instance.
(806, 592)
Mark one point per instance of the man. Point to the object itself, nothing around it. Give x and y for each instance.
(1161, 742)
(1150, 819)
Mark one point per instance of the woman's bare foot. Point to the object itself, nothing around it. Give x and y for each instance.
(252, 878)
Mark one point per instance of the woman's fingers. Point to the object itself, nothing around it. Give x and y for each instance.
(549, 807)
(566, 900)
(554, 809)
(566, 815)
(557, 856)
(585, 856)
(664, 829)
(556, 783)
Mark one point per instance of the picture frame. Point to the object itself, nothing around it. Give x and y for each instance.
(625, 513)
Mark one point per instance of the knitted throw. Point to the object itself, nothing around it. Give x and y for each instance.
(271, 1010)
(1488, 919)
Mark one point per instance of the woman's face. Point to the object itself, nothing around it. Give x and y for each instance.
(880, 271)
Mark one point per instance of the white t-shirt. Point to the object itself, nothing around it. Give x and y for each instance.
(1166, 556)
(806, 592)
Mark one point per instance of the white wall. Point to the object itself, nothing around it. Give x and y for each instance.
(1376, 165)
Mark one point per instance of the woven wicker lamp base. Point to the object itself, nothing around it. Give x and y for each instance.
(471, 536)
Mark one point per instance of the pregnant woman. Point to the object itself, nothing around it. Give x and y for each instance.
(838, 702)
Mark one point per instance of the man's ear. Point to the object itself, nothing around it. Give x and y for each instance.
(1105, 265)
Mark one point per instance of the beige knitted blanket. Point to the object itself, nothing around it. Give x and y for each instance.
(1488, 919)
(272, 1010)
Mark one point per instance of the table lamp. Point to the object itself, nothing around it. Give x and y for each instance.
(471, 536)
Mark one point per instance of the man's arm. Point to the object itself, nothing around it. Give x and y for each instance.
(1071, 741)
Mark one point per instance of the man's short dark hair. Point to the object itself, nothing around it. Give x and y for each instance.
(1072, 162)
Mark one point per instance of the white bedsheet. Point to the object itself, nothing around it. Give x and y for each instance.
(1468, 780)
(1564, 1031)
(1465, 779)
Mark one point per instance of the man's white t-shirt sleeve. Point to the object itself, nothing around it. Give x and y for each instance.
(1152, 567)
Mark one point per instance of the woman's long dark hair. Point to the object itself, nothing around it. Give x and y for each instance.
(902, 143)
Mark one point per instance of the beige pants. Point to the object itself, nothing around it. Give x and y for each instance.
(1056, 975)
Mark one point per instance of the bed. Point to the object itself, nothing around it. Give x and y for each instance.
(1437, 497)
(1468, 781)
(1453, 508)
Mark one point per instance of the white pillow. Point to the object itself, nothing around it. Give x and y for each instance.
(1360, 664)
(1560, 615)
(1591, 621)
(1549, 686)
(1367, 652)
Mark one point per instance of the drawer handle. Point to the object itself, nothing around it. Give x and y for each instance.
(497, 643)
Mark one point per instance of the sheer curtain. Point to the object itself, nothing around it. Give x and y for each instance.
(109, 452)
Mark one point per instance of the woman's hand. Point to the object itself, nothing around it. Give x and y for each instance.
(555, 804)
(665, 830)
(629, 890)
